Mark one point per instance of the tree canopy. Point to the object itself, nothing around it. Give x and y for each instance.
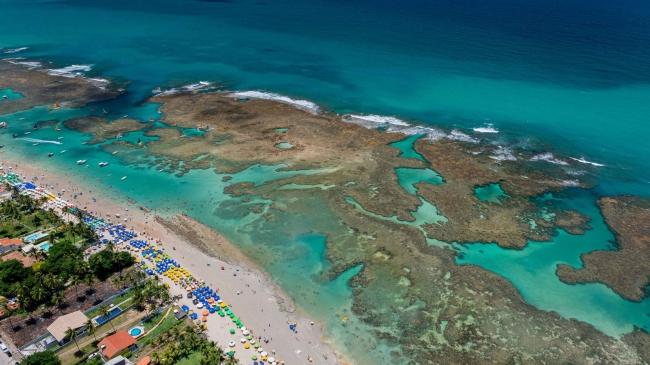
(41, 358)
(12, 271)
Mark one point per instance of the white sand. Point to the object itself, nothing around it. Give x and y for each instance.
(261, 305)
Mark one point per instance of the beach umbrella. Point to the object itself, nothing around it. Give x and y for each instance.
(245, 332)
(249, 337)
(257, 345)
(264, 353)
(222, 304)
(231, 343)
(247, 346)
(205, 312)
(204, 319)
(232, 331)
(252, 341)
(260, 350)
(243, 340)
(271, 359)
(254, 357)
(231, 353)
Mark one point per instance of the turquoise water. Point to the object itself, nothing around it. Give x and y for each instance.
(532, 271)
(491, 193)
(10, 94)
(284, 145)
(33, 237)
(570, 77)
(406, 147)
(45, 247)
(281, 130)
(135, 332)
(112, 313)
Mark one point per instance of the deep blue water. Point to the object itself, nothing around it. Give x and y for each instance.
(572, 74)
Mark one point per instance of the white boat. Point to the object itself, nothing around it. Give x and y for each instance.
(102, 164)
(123, 177)
(28, 132)
(21, 119)
(84, 142)
(60, 138)
(114, 153)
(63, 151)
(119, 135)
(35, 144)
(81, 162)
(161, 170)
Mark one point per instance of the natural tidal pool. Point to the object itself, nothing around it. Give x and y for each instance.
(9, 94)
(491, 193)
(284, 145)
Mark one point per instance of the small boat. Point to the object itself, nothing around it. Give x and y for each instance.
(15, 135)
(125, 116)
(81, 162)
(109, 174)
(139, 142)
(50, 154)
(84, 142)
(57, 105)
(63, 151)
(119, 135)
(49, 107)
(104, 111)
(151, 119)
(1, 145)
(173, 124)
(57, 128)
(114, 153)
(35, 144)
(102, 164)
(35, 127)
(21, 118)
(28, 132)
(123, 177)
(4, 96)
(161, 170)
(60, 138)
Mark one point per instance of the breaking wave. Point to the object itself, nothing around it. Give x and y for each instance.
(548, 157)
(69, 71)
(300, 104)
(14, 50)
(487, 129)
(582, 160)
(183, 89)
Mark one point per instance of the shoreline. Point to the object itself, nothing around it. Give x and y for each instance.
(283, 309)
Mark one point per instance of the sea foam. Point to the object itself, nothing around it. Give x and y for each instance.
(183, 89)
(487, 129)
(14, 50)
(69, 71)
(582, 160)
(300, 104)
(548, 157)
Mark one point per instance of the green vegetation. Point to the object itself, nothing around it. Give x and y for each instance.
(62, 266)
(41, 358)
(184, 346)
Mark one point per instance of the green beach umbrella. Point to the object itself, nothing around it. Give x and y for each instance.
(240, 325)
(254, 357)
(257, 345)
(232, 331)
(249, 338)
(231, 315)
(226, 308)
(231, 353)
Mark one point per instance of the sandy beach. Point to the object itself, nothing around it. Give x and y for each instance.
(251, 294)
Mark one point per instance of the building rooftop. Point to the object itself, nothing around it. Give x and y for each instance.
(10, 241)
(16, 255)
(116, 343)
(72, 320)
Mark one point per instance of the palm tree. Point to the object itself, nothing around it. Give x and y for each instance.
(105, 313)
(51, 236)
(118, 282)
(42, 200)
(231, 360)
(38, 293)
(58, 299)
(50, 281)
(89, 279)
(4, 305)
(155, 357)
(75, 280)
(70, 335)
(90, 327)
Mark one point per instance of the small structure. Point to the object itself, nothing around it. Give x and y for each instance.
(145, 361)
(10, 244)
(17, 255)
(180, 315)
(115, 345)
(119, 360)
(75, 320)
(27, 248)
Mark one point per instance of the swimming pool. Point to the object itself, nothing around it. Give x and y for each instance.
(44, 246)
(112, 313)
(136, 331)
(35, 236)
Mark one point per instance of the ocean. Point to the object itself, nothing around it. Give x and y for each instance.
(567, 77)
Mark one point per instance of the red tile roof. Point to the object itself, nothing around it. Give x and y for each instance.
(11, 241)
(145, 361)
(116, 343)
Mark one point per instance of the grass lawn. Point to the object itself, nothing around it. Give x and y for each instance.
(13, 229)
(192, 359)
(128, 296)
(166, 324)
(151, 322)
